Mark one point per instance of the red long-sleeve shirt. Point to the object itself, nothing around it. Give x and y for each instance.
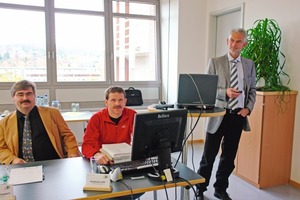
(102, 130)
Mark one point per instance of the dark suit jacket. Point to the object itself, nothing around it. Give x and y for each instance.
(220, 66)
(61, 137)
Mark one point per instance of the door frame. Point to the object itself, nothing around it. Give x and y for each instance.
(212, 29)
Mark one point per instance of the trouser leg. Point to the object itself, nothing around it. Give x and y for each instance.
(229, 148)
(211, 148)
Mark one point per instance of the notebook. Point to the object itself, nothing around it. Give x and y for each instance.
(197, 91)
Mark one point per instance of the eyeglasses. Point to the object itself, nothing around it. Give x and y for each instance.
(21, 94)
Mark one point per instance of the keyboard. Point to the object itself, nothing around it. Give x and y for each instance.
(136, 165)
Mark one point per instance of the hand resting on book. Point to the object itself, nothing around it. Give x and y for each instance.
(102, 159)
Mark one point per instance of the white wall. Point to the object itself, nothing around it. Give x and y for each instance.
(187, 39)
(191, 53)
(185, 46)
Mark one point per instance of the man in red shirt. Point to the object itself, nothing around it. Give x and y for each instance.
(113, 124)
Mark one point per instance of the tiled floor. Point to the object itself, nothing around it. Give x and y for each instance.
(238, 188)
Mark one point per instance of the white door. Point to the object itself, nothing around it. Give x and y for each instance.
(225, 23)
(221, 23)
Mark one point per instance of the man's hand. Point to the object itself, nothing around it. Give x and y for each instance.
(244, 112)
(18, 161)
(102, 159)
(233, 93)
(73, 155)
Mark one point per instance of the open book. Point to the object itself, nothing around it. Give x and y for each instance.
(119, 152)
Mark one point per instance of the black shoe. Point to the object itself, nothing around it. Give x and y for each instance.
(200, 195)
(222, 194)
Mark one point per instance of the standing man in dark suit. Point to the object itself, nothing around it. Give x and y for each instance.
(226, 130)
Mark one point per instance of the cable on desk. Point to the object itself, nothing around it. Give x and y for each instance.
(193, 128)
(129, 188)
(152, 163)
(175, 183)
(186, 138)
(192, 139)
(165, 189)
(175, 186)
(190, 185)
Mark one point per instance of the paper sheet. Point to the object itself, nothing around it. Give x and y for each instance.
(26, 175)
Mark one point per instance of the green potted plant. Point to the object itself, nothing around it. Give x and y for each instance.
(263, 48)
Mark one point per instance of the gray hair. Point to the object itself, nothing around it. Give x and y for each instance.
(240, 30)
(22, 85)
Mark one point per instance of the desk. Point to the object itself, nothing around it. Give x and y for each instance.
(84, 116)
(65, 178)
(77, 122)
(77, 116)
(207, 113)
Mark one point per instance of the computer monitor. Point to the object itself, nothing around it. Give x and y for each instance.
(197, 91)
(158, 134)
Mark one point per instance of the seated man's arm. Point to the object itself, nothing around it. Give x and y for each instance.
(91, 144)
(8, 152)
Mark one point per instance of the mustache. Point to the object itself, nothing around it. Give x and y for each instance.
(117, 106)
(26, 101)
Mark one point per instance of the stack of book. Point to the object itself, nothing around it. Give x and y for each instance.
(118, 153)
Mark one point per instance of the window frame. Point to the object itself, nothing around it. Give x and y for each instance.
(108, 15)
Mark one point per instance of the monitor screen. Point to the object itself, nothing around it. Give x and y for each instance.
(197, 90)
(158, 134)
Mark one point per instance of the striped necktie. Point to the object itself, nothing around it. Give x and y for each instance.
(27, 142)
(232, 104)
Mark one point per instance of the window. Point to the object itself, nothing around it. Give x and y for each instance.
(27, 2)
(79, 41)
(80, 48)
(22, 45)
(89, 5)
(134, 42)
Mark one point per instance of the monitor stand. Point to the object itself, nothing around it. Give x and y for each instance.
(159, 176)
(164, 162)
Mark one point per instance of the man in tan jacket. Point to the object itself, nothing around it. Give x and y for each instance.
(50, 137)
